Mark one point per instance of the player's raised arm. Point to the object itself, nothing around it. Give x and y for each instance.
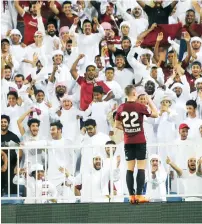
(154, 111)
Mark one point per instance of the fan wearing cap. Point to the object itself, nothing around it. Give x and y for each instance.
(30, 19)
(87, 83)
(138, 24)
(37, 185)
(193, 119)
(88, 42)
(183, 148)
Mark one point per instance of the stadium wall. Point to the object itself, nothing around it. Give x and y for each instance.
(181, 212)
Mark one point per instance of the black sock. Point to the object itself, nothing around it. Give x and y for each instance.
(140, 179)
(130, 182)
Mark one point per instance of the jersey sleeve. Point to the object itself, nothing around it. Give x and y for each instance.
(80, 80)
(118, 114)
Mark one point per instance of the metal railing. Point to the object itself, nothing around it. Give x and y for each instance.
(196, 149)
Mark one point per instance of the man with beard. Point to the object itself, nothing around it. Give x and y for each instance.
(55, 93)
(50, 39)
(196, 49)
(157, 93)
(138, 24)
(190, 180)
(124, 76)
(8, 138)
(156, 179)
(125, 49)
(194, 29)
(87, 83)
(92, 186)
(157, 14)
(141, 67)
(31, 137)
(197, 95)
(88, 42)
(16, 48)
(182, 95)
(60, 71)
(61, 161)
(30, 19)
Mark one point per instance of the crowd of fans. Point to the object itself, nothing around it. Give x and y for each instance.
(64, 68)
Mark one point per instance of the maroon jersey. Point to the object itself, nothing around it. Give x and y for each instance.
(131, 115)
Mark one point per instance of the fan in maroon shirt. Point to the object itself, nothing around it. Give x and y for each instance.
(129, 118)
(87, 83)
(65, 15)
(30, 20)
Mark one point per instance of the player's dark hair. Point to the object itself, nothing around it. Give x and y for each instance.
(89, 122)
(13, 93)
(191, 103)
(33, 121)
(5, 117)
(58, 124)
(20, 76)
(129, 89)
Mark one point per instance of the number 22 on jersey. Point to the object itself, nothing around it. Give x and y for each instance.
(130, 122)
